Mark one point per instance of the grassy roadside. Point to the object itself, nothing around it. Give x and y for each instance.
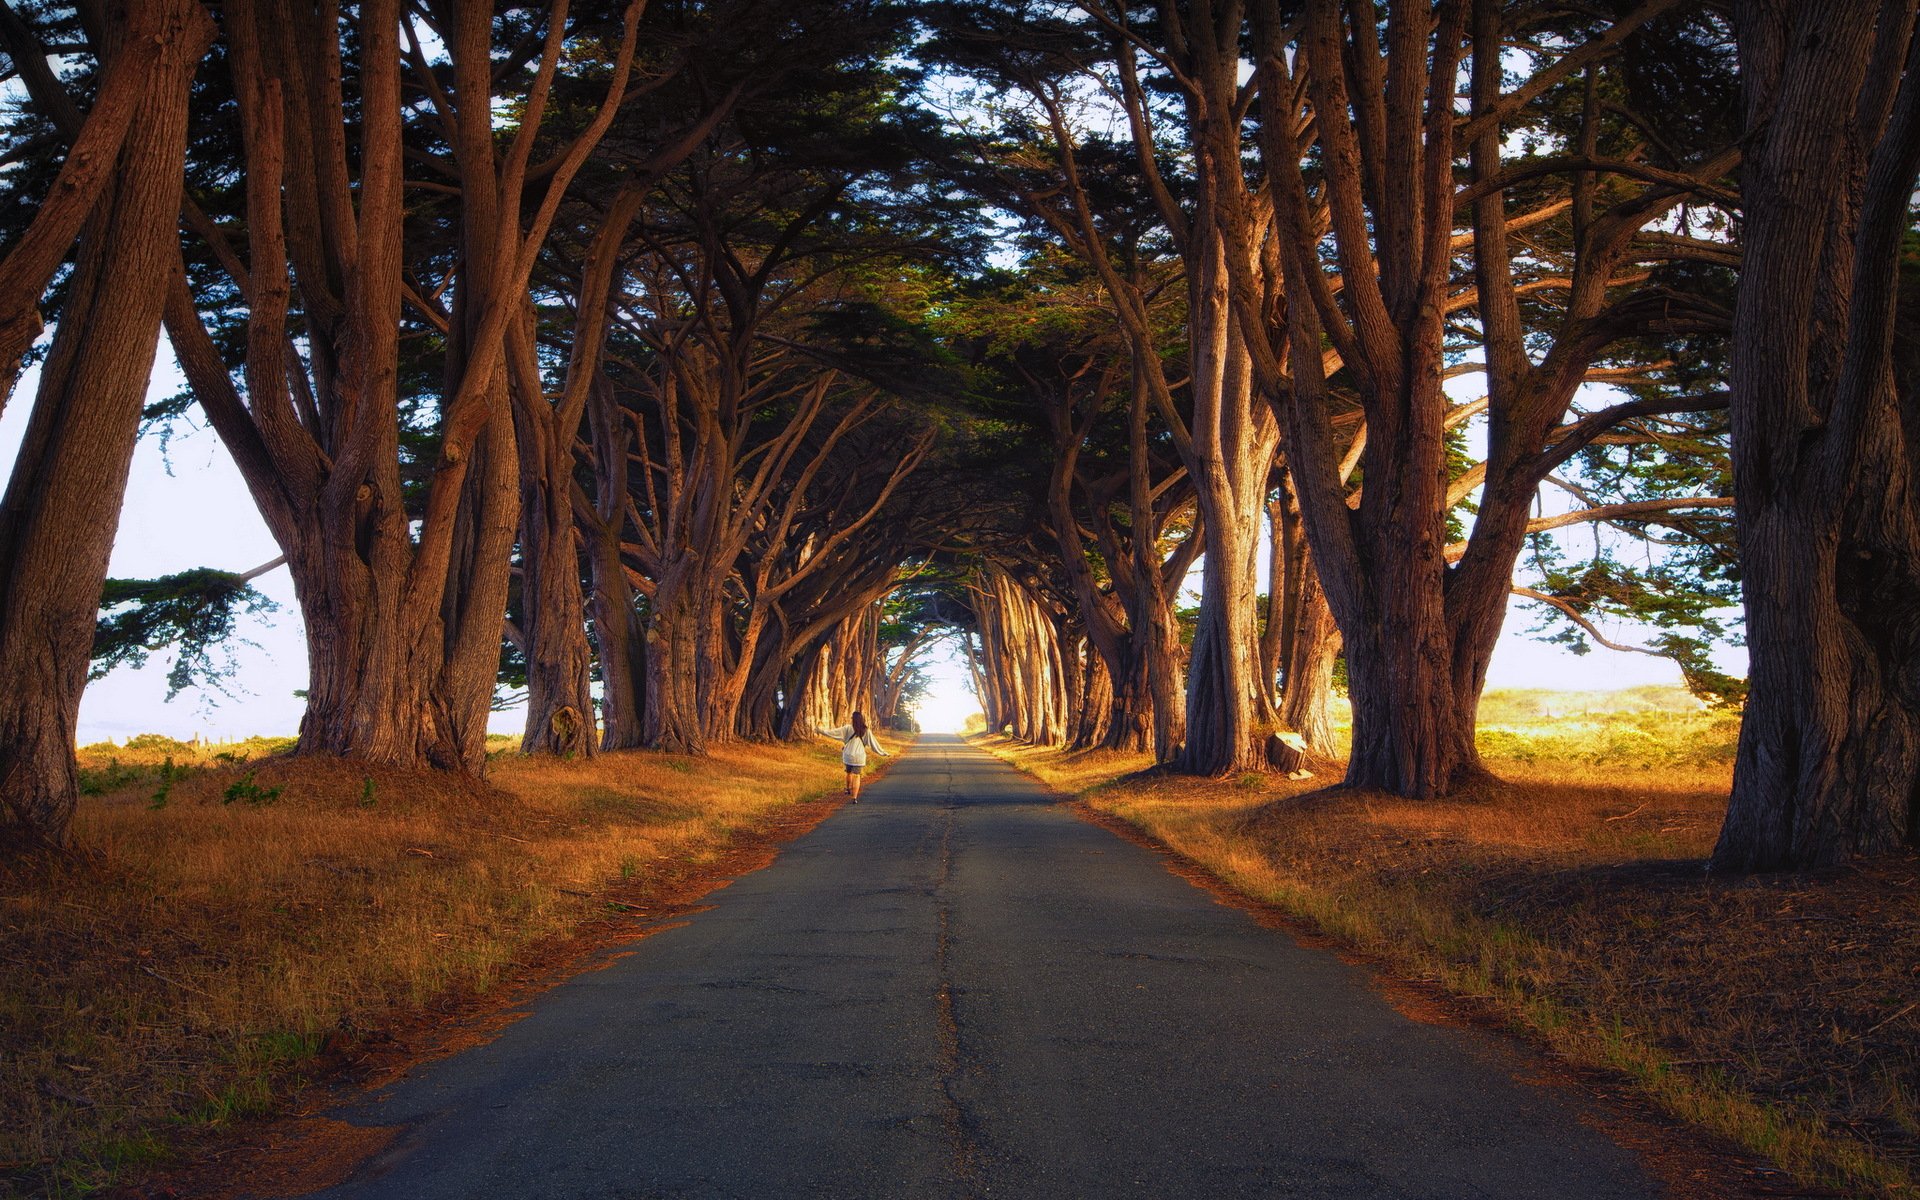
(1782, 1013)
(232, 924)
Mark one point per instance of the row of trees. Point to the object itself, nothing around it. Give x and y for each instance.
(656, 339)
(1279, 232)
(566, 339)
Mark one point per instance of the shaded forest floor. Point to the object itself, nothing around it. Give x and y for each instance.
(1570, 898)
(232, 925)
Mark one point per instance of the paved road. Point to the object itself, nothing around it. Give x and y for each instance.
(957, 989)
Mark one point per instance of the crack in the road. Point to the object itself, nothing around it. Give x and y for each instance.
(960, 1123)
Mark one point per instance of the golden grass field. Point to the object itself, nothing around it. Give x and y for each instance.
(232, 924)
(1781, 1012)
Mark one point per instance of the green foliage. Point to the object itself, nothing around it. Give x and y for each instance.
(111, 777)
(1674, 572)
(196, 612)
(1649, 728)
(159, 743)
(1688, 604)
(169, 774)
(247, 790)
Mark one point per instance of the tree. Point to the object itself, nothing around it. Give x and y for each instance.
(1187, 168)
(1118, 512)
(62, 503)
(1360, 134)
(1823, 434)
(402, 591)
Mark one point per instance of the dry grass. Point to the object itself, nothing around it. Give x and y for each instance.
(1781, 1012)
(228, 927)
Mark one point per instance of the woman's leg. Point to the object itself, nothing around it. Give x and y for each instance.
(853, 777)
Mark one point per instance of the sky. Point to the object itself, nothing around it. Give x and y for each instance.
(187, 507)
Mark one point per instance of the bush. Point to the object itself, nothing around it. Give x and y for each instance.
(160, 743)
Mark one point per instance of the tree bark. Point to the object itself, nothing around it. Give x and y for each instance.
(673, 720)
(1824, 434)
(1301, 641)
(619, 633)
(62, 503)
(85, 175)
(1229, 456)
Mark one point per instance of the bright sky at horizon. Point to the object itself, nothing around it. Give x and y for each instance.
(199, 514)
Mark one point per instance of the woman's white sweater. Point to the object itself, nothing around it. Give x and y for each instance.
(853, 750)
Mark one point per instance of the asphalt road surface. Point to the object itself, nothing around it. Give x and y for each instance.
(958, 989)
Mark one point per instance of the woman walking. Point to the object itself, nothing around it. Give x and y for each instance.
(855, 740)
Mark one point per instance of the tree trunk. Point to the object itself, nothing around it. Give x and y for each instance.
(673, 719)
(760, 713)
(619, 634)
(1280, 579)
(620, 642)
(1305, 646)
(1232, 448)
(1096, 700)
(553, 616)
(1829, 757)
(62, 503)
(1314, 644)
(559, 671)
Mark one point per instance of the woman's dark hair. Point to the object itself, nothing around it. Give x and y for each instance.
(859, 724)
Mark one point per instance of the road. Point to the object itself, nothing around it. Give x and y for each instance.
(958, 989)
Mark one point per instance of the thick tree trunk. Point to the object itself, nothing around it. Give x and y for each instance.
(1829, 758)
(1166, 678)
(365, 699)
(553, 605)
(1411, 735)
(760, 714)
(1233, 443)
(1314, 644)
(559, 671)
(673, 720)
(715, 650)
(1302, 650)
(1130, 719)
(474, 610)
(620, 642)
(1824, 468)
(619, 634)
(405, 692)
(62, 503)
(1094, 700)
